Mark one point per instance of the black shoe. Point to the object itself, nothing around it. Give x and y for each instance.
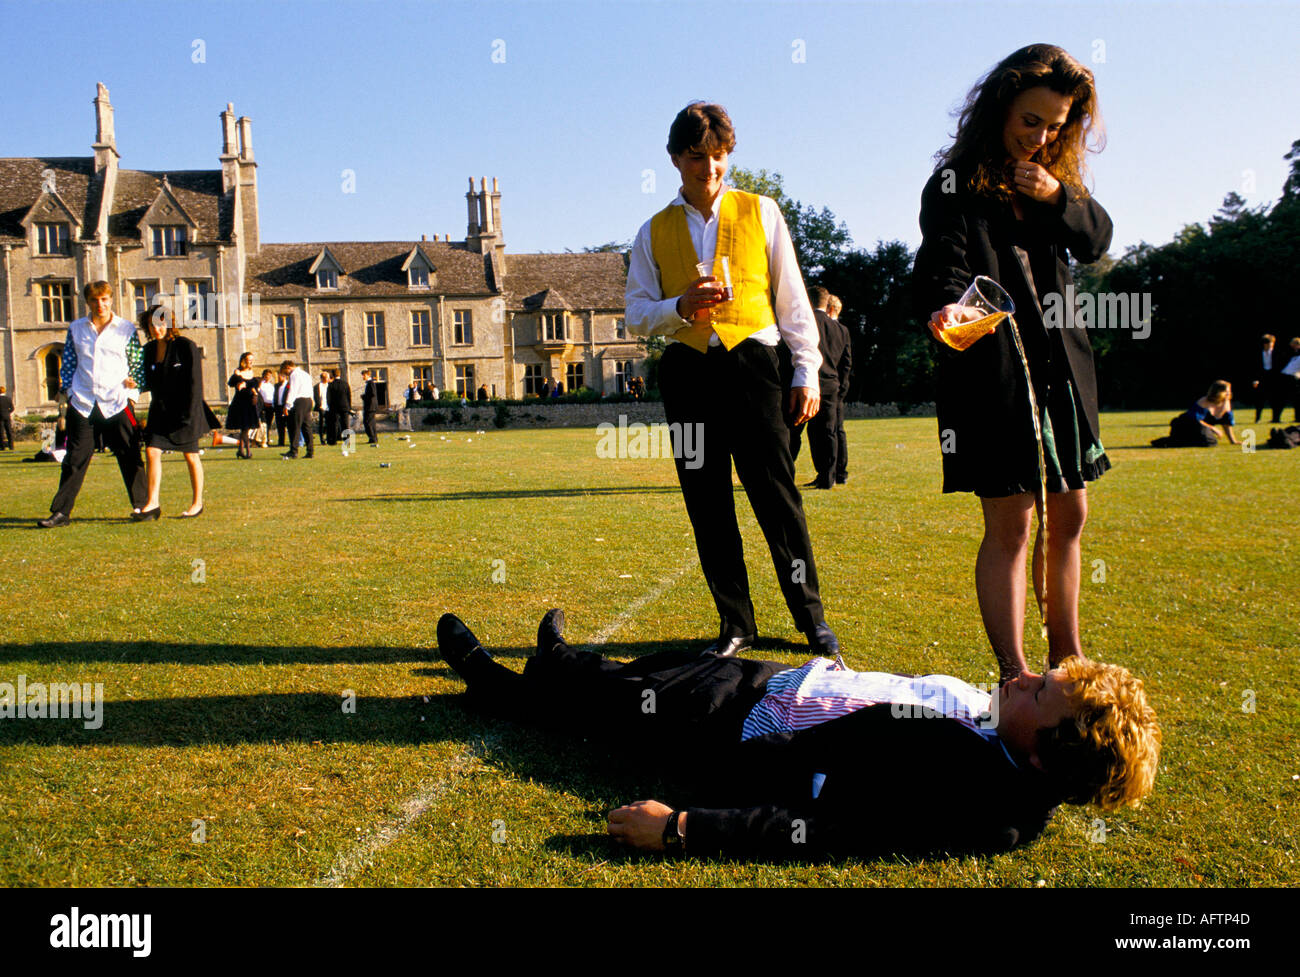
(192, 515)
(288, 454)
(822, 640)
(817, 483)
(841, 479)
(551, 631)
(730, 645)
(456, 643)
(54, 520)
(149, 516)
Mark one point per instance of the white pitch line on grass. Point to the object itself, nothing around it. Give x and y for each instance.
(350, 862)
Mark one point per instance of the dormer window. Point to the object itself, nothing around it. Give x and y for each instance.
(419, 276)
(327, 278)
(169, 241)
(52, 239)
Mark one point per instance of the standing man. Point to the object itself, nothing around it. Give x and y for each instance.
(281, 410)
(720, 375)
(823, 429)
(369, 406)
(101, 374)
(6, 420)
(340, 405)
(266, 400)
(320, 404)
(846, 373)
(1265, 378)
(298, 401)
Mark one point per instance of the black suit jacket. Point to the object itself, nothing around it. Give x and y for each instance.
(176, 405)
(340, 396)
(370, 397)
(981, 393)
(6, 407)
(832, 338)
(892, 784)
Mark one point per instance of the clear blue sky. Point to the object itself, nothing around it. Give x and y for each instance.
(1196, 99)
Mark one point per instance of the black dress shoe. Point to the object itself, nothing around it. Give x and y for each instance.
(551, 631)
(822, 640)
(149, 515)
(817, 484)
(54, 520)
(730, 645)
(456, 643)
(842, 480)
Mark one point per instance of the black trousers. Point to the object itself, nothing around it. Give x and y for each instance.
(300, 423)
(281, 424)
(823, 438)
(122, 435)
(736, 398)
(1269, 394)
(368, 422)
(322, 425)
(670, 699)
(6, 433)
(842, 448)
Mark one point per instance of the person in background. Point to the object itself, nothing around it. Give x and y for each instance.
(370, 407)
(320, 404)
(1290, 379)
(340, 407)
(298, 403)
(101, 373)
(1194, 427)
(178, 414)
(6, 421)
(242, 414)
(1265, 371)
(483, 392)
(266, 398)
(846, 373)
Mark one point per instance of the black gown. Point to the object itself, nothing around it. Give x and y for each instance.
(243, 413)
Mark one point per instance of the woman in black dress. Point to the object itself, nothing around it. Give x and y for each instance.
(178, 415)
(1008, 200)
(243, 415)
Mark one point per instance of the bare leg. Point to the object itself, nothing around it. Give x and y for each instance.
(1000, 578)
(196, 481)
(1066, 514)
(153, 475)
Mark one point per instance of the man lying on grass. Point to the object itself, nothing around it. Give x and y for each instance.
(821, 760)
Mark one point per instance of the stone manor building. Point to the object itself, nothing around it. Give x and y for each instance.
(462, 314)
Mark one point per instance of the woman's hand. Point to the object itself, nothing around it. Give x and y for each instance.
(949, 316)
(1036, 183)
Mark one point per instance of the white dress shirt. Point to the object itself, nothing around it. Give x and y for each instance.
(99, 362)
(299, 385)
(267, 392)
(649, 313)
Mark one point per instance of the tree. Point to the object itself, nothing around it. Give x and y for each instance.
(817, 236)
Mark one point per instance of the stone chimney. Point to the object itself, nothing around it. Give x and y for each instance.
(484, 232)
(229, 151)
(105, 145)
(248, 187)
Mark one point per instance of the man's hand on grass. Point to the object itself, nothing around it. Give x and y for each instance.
(642, 824)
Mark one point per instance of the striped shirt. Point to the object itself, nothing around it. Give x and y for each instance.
(821, 691)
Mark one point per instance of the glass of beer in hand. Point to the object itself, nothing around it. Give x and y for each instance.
(977, 313)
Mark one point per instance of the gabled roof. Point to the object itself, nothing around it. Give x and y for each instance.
(281, 271)
(546, 300)
(166, 209)
(417, 253)
(579, 281)
(325, 260)
(50, 207)
(197, 192)
(21, 184)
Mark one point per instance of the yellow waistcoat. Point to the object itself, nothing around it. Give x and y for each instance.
(741, 239)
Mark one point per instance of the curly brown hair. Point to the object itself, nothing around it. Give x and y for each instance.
(977, 150)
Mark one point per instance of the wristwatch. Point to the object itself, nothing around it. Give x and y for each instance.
(673, 841)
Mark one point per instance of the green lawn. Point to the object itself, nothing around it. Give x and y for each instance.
(224, 679)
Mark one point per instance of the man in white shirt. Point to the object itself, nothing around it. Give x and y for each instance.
(721, 378)
(101, 375)
(298, 402)
(321, 405)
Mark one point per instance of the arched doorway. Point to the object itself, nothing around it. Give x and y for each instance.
(49, 361)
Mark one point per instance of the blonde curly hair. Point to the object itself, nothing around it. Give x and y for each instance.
(1106, 753)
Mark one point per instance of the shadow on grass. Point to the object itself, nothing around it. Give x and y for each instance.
(540, 493)
(160, 653)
